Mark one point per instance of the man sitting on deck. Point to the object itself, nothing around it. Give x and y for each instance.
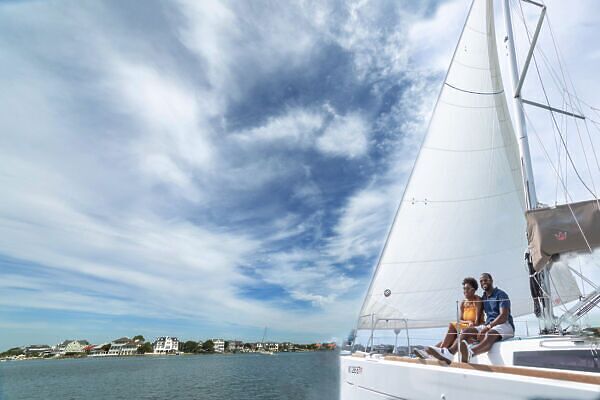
(498, 325)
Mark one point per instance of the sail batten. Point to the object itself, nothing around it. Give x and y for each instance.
(462, 212)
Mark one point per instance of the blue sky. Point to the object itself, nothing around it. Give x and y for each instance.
(211, 168)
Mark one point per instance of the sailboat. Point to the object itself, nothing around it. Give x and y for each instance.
(263, 350)
(469, 207)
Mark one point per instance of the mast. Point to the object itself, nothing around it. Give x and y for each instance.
(526, 168)
(520, 126)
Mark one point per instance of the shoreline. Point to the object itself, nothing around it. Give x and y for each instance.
(106, 356)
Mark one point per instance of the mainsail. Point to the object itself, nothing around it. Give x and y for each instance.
(462, 212)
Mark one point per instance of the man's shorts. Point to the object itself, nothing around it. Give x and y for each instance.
(505, 330)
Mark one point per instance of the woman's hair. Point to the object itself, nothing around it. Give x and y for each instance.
(472, 282)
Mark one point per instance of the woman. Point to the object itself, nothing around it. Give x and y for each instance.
(471, 312)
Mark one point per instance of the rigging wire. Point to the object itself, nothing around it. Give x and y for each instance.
(581, 276)
(570, 80)
(562, 139)
(595, 110)
(562, 304)
(579, 108)
(566, 192)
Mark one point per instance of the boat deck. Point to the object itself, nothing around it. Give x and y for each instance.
(581, 377)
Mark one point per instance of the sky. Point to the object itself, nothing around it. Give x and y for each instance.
(209, 169)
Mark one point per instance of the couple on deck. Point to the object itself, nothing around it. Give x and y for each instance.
(470, 335)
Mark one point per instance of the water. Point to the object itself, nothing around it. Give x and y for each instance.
(294, 376)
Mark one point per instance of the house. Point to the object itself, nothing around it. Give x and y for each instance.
(123, 349)
(235, 345)
(274, 347)
(219, 345)
(99, 350)
(88, 349)
(165, 345)
(38, 350)
(74, 347)
(287, 346)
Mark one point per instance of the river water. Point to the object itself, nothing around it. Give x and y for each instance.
(294, 376)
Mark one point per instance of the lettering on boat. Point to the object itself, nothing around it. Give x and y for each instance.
(354, 370)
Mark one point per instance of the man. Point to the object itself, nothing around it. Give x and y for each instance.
(498, 325)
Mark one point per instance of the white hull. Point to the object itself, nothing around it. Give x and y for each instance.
(377, 379)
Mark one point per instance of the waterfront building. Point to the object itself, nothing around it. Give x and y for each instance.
(120, 347)
(38, 350)
(235, 345)
(74, 347)
(100, 349)
(287, 346)
(274, 347)
(165, 345)
(219, 345)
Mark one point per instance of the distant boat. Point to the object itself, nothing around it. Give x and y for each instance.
(263, 350)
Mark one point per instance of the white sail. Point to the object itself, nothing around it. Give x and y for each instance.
(462, 212)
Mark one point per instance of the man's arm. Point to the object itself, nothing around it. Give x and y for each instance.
(501, 318)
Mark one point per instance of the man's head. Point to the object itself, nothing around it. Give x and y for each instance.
(486, 282)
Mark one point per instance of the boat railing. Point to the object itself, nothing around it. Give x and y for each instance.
(379, 327)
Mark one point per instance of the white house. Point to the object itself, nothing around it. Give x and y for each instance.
(74, 347)
(219, 345)
(235, 345)
(38, 350)
(274, 347)
(123, 349)
(99, 350)
(165, 345)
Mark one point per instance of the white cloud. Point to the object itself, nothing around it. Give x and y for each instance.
(432, 41)
(345, 136)
(308, 276)
(176, 140)
(231, 45)
(296, 128)
(361, 227)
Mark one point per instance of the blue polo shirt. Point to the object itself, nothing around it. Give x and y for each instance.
(498, 299)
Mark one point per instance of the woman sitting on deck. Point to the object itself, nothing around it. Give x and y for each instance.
(471, 314)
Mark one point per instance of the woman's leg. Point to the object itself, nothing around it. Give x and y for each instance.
(467, 334)
(450, 337)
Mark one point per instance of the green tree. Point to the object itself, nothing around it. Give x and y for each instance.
(208, 346)
(145, 348)
(15, 351)
(226, 345)
(139, 337)
(190, 346)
